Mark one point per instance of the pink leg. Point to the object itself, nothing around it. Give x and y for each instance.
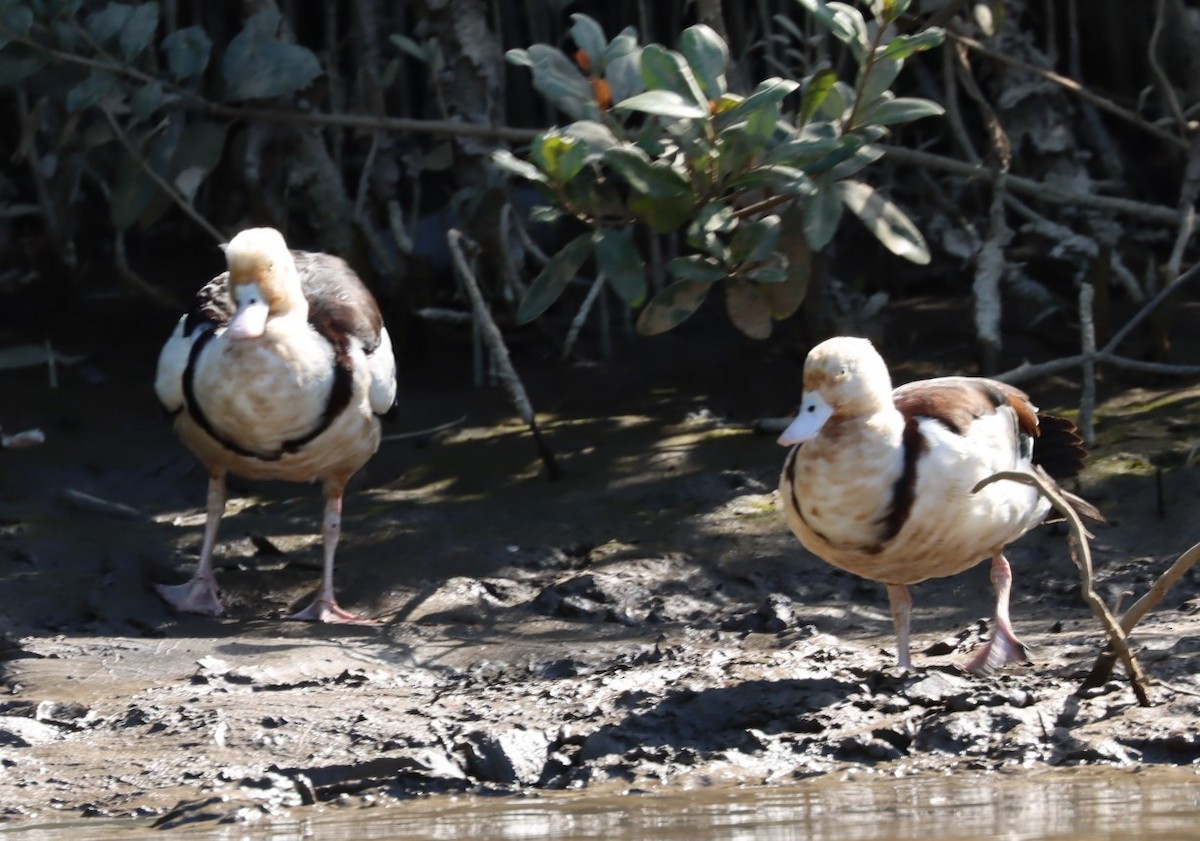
(1004, 647)
(324, 607)
(901, 604)
(200, 594)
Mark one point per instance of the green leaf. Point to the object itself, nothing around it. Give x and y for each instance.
(107, 22)
(768, 92)
(138, 31)
(561, 81)
(544, 214)
(133, 189)
(89, 92)
(769, 274)
(665, 70)
(510, 163)
(18, 62)
(903, 46)
(849, 146)
(188, 51)
(663, 215)
(822, 213)
(816, 90)
(596, 137)
(890, 225)
(553, 279)
(902, 110)
(882, 74)
(708, 56)
(851, 166)
(624, 74)
(783, 299)
(747, 309)
(845, 22)
(762, 123)
(589, 37)
(144, 102)
(560, 157)
(888, 11)
(196, 155)
(778, 178)
(519, 57)
(656, 179)
(257, 65)
(697, 267)
(663, 103)
(624, 45)
(715, 218)
(672, 306)
(17, 20)
(754, 241)
(622, 265)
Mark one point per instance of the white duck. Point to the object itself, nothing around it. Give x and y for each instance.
(878, 482)
(279, 371)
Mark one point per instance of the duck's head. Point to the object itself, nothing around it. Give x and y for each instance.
(844, 377)
(263, 282)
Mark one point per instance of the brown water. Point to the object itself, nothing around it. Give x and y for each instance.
(1066, 805)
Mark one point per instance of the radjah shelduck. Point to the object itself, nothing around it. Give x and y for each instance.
(879, 482)
(279, 371)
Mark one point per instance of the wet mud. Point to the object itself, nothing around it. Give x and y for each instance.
(646, 622)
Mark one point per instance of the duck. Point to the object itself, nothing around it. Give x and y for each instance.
(281, 369)
(879, 481)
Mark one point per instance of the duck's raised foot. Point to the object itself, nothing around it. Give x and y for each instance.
(1004, 647)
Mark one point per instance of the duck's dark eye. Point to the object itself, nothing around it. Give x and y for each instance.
(812, 407)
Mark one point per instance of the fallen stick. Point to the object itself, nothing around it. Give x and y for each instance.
(1103, 667)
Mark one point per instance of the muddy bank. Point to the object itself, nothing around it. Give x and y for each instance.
(646, 621)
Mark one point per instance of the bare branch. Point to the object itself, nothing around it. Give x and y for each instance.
(1074, 87)
(495, 340)
(1081, 554)
(162, 183)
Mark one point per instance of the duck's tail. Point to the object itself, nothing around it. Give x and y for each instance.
(1060, 452)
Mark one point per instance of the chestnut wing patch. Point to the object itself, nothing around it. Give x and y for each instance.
(956, 402)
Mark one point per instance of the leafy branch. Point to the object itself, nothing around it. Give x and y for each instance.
(659, 141)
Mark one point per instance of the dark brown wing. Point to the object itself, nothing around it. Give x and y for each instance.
(339, 303)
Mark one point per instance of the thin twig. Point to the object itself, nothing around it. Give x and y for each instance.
(191, 100)
(495, 340)
(1074, 87)
(581, 317)
(1087, 335)
(162, 183)
(1040, 190)
(1164, 83)
(953, 113)
(1026, 372)
(1151, 305)
(425, 433)
(1188, 193)
(1081, 554)
(121, 262)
